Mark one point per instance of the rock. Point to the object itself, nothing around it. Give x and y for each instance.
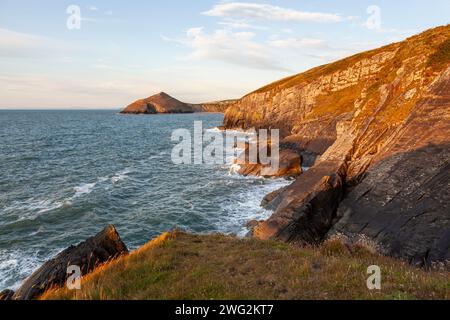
(403, 202)
(375, 128)
(306, 209)
(272, 200)
(6, 294)
(216, 106)
(96, 250)
(158, 103)
(289, 165)
(163, 103)
(251, 224)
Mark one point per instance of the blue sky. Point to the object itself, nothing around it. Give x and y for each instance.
(197, 51)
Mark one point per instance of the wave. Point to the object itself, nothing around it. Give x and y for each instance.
(215, 129)
(246, 206)
(32, 208)
(122, 175)
(233, 169)
(83, 189)
(249, 132)
(18, 264)
(87, 188)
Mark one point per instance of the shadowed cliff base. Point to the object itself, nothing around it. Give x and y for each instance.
(401, 204)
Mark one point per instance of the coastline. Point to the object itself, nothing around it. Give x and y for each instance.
(377, 153)
(237, 206)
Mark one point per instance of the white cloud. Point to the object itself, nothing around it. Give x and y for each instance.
(22, 45)
(31, 46)
(247, 10)
(238, 48)
(297, 43)
(239, 24)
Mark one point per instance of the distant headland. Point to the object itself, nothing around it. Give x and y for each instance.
(164, 103)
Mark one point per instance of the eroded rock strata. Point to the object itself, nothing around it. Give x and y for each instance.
(288, 162)
(375, 128)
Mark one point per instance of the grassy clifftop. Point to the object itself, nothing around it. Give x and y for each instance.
(184, 266)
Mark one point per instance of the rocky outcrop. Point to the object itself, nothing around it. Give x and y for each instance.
(88, 255)
(289, 166)
(163, 103)
(158, 103)
(376, 129)
(6, 294)
(287, 163)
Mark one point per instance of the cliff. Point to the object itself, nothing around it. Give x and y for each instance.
(216, 106)
(163, 103)
(375, 128)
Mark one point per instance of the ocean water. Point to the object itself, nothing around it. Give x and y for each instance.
(64, 175)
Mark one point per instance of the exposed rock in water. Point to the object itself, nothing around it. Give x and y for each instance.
(306, 209)
(6, 294)
(272, 200)
(289, 164)
(251, 225)
(376, 128)
(163, 103)
(87, 255)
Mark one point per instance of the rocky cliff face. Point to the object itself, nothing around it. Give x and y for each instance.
(376, 128)
(216, 106)
(163, 103)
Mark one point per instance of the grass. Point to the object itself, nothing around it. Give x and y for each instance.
(441, 57)
(185, 266)
(426, 40)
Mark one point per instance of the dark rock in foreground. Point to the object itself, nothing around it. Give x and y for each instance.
(6, 294)
(96, 250)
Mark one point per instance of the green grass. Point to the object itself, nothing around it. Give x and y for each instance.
(185, 266)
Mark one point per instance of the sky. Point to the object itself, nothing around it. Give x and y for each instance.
(107, 54)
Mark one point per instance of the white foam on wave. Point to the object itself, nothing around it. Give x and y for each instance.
(83, 189)
(246, 206)
(17, 264)
(234, 169)
(215, 130)
(236, 132)
(32, 208)
(122, 175)
(239, 134)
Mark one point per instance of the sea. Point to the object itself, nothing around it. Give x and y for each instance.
(65, 175)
